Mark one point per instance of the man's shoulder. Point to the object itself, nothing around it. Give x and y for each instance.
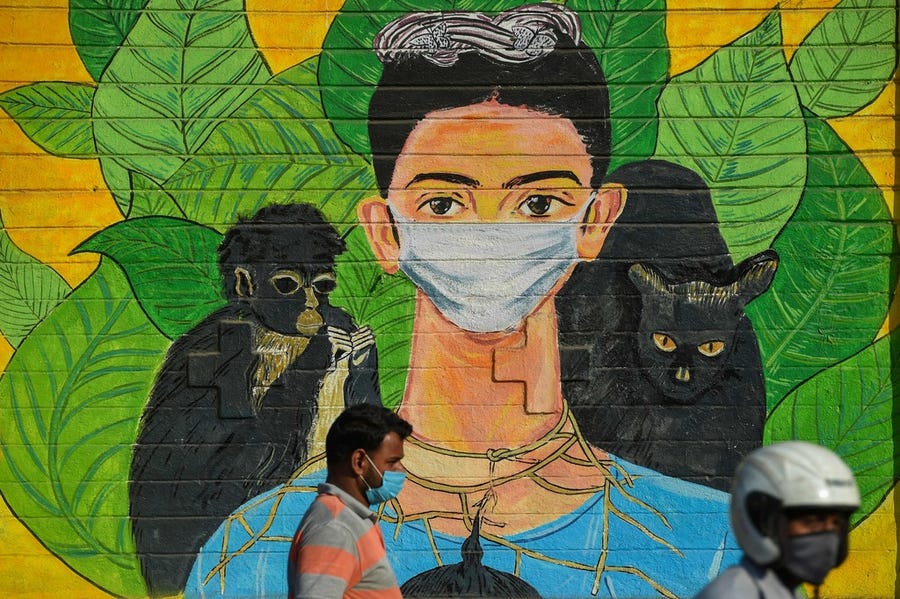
(734, 583)
(330, 510)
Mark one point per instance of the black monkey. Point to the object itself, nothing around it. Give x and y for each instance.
(246, 396)
(660, 364)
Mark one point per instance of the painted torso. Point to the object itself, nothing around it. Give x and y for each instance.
(626, 541)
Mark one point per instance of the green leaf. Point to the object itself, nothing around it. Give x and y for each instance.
(629, 39)
(118, 181)
(349, 69)
(736, 121)
(55, 116)
(850, 409)
(70, 402)
(29, 290)
(150, 199)
(833, 286)
(384, 302)
(847, 59)
(171, 265)
(99, 27)
(185, 65)
(276, 148)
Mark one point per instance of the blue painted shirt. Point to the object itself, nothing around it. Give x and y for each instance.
(647, 556)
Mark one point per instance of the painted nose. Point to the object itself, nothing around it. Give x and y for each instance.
(683, 374)
(311, 301)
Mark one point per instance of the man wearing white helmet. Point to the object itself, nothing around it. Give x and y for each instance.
(790, 508)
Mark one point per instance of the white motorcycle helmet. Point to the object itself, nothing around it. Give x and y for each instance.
(785, 476)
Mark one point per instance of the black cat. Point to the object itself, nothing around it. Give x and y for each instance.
(660, 365)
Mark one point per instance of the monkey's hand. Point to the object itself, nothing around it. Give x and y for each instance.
(363, 340)
(355, 351)
(353, 345)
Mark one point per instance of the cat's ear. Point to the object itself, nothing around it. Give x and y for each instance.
(755, 275)
(647, 279)
(375, 218)
(606, 208)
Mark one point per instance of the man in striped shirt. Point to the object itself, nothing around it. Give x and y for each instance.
(338, 551)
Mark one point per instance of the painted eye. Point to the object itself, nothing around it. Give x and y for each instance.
(537, 205)
(442, 206)
(664, 342)
(324, 283)
(542, 204)
(286, 282)
(711, 348)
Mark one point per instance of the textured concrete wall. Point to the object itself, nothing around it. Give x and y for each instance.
(597, 432)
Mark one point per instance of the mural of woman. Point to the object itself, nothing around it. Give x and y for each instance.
(490, 140)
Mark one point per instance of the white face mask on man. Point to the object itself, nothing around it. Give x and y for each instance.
(486, 277)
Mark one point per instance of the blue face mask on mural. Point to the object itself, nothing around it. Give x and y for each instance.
(486, 277)
(391, 483)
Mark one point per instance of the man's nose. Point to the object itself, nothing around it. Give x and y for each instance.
(831, 523)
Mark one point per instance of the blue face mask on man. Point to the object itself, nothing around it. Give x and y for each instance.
(391, 483)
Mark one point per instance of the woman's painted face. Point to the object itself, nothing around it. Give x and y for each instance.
(490, 162)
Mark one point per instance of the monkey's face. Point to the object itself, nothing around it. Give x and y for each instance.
(287, 299)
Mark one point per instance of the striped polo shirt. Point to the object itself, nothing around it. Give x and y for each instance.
(338, 551)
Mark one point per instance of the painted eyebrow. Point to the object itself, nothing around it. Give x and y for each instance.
(540, 176)
(446, 177)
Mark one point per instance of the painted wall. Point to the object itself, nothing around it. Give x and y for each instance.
(133, 140)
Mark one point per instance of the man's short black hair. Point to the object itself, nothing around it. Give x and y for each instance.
(363, 426)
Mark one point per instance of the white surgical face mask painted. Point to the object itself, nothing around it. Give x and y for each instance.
(487, 277)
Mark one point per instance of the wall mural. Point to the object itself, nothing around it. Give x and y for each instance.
(591, 286)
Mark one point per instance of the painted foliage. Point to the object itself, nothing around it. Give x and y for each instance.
(717, 266)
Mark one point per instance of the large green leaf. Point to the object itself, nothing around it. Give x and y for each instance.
(55, 116)
(277, 148)
(629, 39)
(848, 58)
(70, 402)
(184, 66)
(349, 69)
(384, 302)
(735, 120)
(99, 27)
(171, 265)
(834, 283)
(850, 408)
(29, 290)
(150, 199)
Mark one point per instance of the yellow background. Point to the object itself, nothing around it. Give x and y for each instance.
(50, 204)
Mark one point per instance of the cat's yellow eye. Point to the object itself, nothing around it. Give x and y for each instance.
(664, 342)
(711, 348)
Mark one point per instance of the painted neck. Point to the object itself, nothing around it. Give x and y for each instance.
(482, 389)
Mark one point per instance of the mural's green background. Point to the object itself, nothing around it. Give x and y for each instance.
(823, 179)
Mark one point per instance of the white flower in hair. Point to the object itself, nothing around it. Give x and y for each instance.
(518, 35)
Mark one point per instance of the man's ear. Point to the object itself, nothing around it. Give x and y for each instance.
(243, 282)
(358, 461)
(375, 217)
(605, 209)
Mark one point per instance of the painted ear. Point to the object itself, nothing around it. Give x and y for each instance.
(603, 211)
(647, 279)
(243, 282)
(755, 275)
(376, 220)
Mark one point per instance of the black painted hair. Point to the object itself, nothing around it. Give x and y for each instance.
(566, 82)
(279, 234)
(468, 578)
(363, 426)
